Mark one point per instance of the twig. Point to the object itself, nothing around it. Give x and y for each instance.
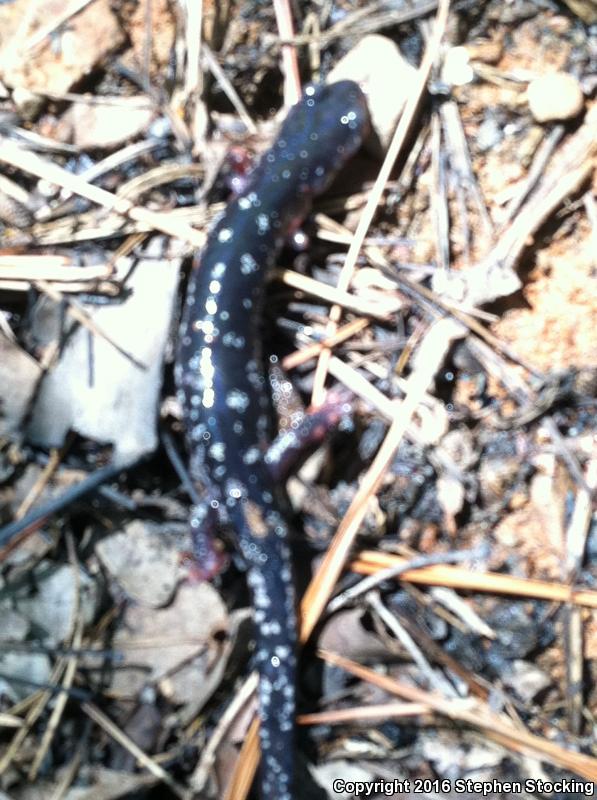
(428, 360)
(40, 35)
(94, 713)
(204, 766)
(395, 148)
(30, 162)
(290, 70)
(36, 518)
(393, 572)
(364, 714)
(537, 169)
(370, 562)
(228, 88)
(435, 680)
(478, 715)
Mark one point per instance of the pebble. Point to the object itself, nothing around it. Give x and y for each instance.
(456, 69)
(60, 60)
(105, 126)
(556, 96)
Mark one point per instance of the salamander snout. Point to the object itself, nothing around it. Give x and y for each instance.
(330, 122)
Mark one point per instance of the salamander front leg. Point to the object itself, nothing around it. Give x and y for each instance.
(208, 559)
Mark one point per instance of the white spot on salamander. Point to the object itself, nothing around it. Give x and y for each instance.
(225, 235)
(197, 433)
(207, 372)
(251, 456)
(218, 451)
(248, 264)
(206, 367)
(237, 400)
(205, 326)
(262, 224)
(232, 339)
(211, 306)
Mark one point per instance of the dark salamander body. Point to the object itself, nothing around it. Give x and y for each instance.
(223, 388)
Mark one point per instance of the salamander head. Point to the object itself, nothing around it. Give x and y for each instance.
(321, 132)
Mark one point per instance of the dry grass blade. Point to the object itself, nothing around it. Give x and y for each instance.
(193, 31)
(361, 387)
(478, 715)
(396, 145)
(575, 164)
(372, 17)
(125, 741)
(428, 360)
(107, 289)
(36, 709)
(312, 351)
(91, 225)
(40, 484)
(59, 705)
(576, 539)
(369, 562)
(228, 89)
(208, 753)
(364, 714)
(246, 765)
(32, 268)
(10, 721)
(380, 308)
(290, 69)
(40, 35)
(12, 154)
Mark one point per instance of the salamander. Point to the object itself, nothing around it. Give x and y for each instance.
(222, 386)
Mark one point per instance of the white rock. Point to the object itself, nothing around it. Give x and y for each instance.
(22, 668)
(105, 125)
(28, 103)
(143, 561)
(456, 69)
(340, 769)
(171, 645)
(97, 390)
(555, 96)
(60, 599)
(19, 374)
(378, 66)
(526, 680)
